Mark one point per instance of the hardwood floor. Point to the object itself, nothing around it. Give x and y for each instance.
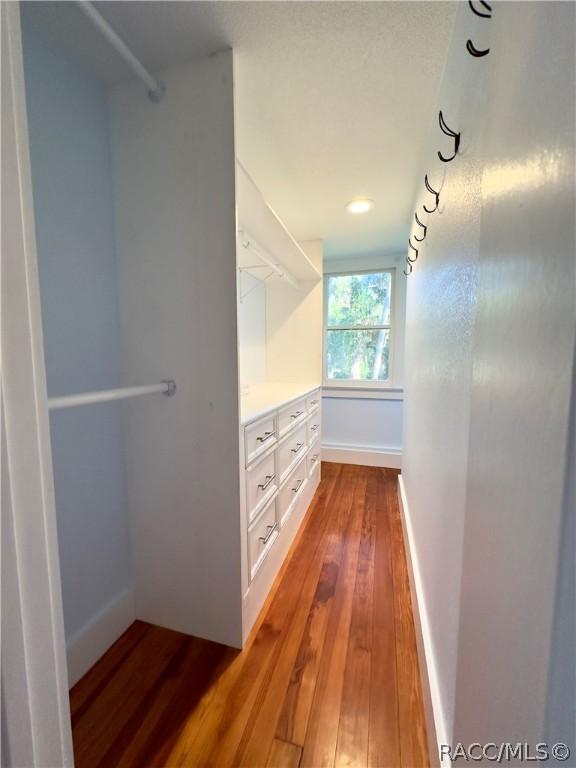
(328, 678)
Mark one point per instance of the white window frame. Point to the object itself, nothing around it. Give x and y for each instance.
(361, 384)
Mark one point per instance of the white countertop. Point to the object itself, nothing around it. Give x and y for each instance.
(259, 399)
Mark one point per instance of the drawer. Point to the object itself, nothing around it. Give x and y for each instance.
(291, 415)
(291, 491)
(313, 459)
(314, 427)
(313, 401)
(261, 484)
(290, 450)
(259, 436)
(261, 536)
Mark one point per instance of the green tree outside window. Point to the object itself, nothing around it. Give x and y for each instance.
(358, 326)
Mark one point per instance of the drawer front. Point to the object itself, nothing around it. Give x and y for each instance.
(290, 450)
(291, 491)
(313, 459)
(261, 484)
(259, 437)
(261, 537)
(313, 401)
(291, 415)
(314, 427)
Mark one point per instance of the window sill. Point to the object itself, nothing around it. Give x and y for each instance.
(362, 391)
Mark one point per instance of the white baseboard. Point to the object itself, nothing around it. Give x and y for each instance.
(87, 645)
(365, 455)
(434, 711)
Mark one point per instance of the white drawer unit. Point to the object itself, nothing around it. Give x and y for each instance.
(261, 537)
(313, 401)
(291, 491)
(291, 415)
(261, 484)
(290, 450)
(259, 437)
(313, 459)
(282, 460)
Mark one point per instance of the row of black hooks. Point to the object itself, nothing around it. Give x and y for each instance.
(436, 194)
(485, 12)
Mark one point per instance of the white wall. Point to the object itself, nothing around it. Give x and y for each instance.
(490, 344)
(560, 720)
(74, 221)
(278, 327)
(362, 430)
(365, 427)
(293, 318)
(251, 329)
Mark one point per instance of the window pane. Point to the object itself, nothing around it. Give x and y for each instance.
(359, 299)
(361, 355)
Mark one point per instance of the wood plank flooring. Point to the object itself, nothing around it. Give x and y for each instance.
(329, 676)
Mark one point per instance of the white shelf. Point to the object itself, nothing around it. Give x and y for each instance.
(257, 219)
(260, 399)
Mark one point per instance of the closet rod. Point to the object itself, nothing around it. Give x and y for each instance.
(155, 87)
(248, 242)
(167, 387)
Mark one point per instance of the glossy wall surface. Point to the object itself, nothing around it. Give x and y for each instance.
(490, 345)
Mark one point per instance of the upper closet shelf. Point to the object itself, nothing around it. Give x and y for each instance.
(264, 241)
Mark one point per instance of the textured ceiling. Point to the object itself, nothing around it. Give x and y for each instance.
(334, 99)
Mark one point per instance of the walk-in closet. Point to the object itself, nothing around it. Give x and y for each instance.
(287, 383)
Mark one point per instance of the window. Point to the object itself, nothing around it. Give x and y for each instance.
(358, 313)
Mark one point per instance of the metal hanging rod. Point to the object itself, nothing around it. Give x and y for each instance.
(155, 87)
(248, 242)
(167, 387)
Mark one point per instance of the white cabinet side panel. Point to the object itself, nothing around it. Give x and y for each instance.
(175, 209)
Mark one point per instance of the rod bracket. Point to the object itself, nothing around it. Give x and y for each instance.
(158, 93)
(170, 387)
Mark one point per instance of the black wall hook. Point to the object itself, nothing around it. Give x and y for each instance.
(408, 264)
(415, 251)
(453, 135)
(424, 227)
(479, 13)
(433, 192)
(470, 47)
(473, 51)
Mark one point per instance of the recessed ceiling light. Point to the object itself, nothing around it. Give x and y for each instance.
(360, 205)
